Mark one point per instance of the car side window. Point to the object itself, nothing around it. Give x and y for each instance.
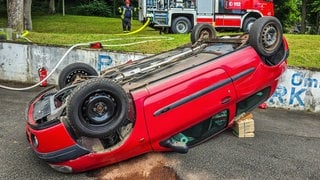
(253, 101)
(203, 130)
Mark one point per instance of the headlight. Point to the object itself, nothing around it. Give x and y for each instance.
(34, 140)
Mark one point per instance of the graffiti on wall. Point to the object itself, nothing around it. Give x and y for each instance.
(104, 61)
(298, 89)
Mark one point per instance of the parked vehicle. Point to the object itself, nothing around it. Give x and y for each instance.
(171, 101)
(180, 16)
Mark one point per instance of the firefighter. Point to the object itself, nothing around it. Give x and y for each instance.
(126, 12)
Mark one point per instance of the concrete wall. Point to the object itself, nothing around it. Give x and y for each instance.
(298, 89)
(20, 62)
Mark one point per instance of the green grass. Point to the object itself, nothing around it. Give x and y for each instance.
(68, 30)
(304, 50)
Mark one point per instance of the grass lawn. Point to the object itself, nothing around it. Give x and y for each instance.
(304, 50)
(69, 30)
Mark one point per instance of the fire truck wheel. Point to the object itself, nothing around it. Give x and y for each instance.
(266, 35)
(181, 25)
(97, 108)
(205, 31)
(73, 71)
(248, 22)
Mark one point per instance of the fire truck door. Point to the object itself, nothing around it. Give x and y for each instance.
(228, 13)
(233, 4)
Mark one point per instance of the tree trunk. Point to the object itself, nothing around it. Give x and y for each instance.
(15, 15)
(27, 15)
(303, 16)
(63, 8)
(52, 7)
(318, 23)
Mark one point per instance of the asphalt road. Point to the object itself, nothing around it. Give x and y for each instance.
(286, 146)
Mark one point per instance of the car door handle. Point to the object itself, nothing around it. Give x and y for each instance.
(226, 100)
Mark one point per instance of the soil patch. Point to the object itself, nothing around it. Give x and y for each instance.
(150, 166)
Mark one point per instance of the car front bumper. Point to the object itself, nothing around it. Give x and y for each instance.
(51, 141)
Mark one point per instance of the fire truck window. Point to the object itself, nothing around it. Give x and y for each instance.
(193, 3)
(223, 7)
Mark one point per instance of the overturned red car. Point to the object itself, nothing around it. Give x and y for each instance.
(167, 102)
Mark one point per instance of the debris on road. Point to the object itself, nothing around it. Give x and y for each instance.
(263, 106)
(149, 166)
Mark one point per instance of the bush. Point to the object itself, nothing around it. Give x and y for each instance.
(39, 7)
(3, 35)
(3, 8)
(94, 8)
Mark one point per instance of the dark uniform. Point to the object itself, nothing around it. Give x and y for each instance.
(126, 16)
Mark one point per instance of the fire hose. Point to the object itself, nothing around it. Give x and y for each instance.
(138, 30)
(44, 79)
(143, 40)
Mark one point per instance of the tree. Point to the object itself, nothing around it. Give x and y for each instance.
(287, 12)
(310, 16)
(15, 14)
(19, 15)
(303, 16)
(52, 7)
(315, 16)
(27, 14)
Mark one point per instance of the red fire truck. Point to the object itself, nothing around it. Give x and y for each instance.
(179, 16)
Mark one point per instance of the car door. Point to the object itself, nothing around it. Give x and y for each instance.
(186, 101)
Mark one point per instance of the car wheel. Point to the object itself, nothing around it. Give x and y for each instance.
(266, 35)
(248, 22)
(205, 31)
(73, 71)
(181, 25)
(97, 107)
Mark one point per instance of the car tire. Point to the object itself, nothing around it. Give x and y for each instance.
(181, 25)
(205, 30)
(97, 107)
(69, 73)
(265, 35)
(248, 22)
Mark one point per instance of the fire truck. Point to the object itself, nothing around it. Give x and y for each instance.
(180, 16)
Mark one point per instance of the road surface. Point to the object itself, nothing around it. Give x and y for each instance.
(286, 146)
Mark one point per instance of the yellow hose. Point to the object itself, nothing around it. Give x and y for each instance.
(25, 33)
(138, 30)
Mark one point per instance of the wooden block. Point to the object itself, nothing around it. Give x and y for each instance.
(244, 116)
(244, 130)
(244, 126)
